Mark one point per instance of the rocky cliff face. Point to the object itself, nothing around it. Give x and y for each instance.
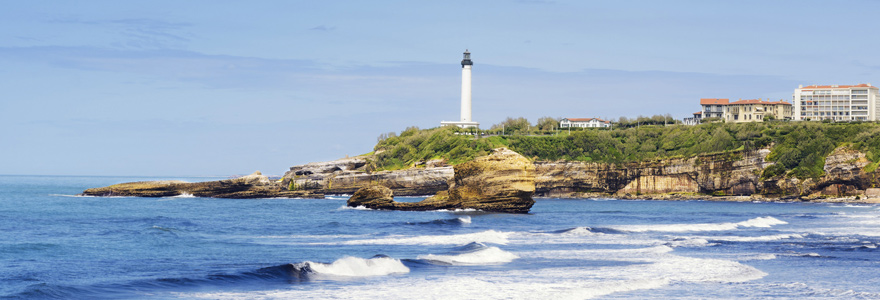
(845, 176)
(718, 174)
(503, 181)
(724, 174)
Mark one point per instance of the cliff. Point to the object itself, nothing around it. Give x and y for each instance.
(720, 175)
(736, 173)
(847, 176)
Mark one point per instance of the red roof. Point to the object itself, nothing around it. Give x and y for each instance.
(586, 120)
(816, 87)
(698, 113)
(750, 101)
(712, 101)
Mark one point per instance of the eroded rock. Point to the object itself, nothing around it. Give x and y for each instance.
(252, 186)
(503, 181)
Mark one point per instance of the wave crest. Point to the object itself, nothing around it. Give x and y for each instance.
(356, 267)
(483, 256)
(488, 236)
(756, 222)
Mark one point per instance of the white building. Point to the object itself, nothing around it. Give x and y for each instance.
(836, 102)
(583, 122)
(696, 119)
(466, 120)
(713, 108)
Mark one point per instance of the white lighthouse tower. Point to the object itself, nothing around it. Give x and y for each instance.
(466, 120)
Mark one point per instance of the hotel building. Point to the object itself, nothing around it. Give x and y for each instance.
(740, 111)
(836, 102)
(756, 110)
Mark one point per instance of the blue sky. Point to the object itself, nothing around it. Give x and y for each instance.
(175, 88)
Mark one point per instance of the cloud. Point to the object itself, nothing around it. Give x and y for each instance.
(323, 28)
(140, 33)
(543, 2)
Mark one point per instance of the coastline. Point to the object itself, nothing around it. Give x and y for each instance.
(744, 198)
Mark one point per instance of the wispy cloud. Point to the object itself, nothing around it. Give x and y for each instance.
(140, 33)
(323, 28)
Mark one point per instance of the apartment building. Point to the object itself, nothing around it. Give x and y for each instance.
(836, 102)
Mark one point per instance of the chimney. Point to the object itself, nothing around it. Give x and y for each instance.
(800, 86)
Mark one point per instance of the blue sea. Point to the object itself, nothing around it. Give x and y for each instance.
(56, 245)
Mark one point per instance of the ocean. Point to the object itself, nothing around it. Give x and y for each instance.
(56, 245)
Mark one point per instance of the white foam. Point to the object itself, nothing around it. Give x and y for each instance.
(486, 256)
(761, 222)
(85, 196)
(756, 222)
(360, 267)
(459, 210)
(579, 235)
(660, 268)
(489, 237)
(581, 231)
(762, 256)
(184, 195)
(690, 242)
(359, 207)
(465, 219)
(763, 238)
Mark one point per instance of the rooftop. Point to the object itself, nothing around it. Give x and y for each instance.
(817, 87)
(585, 120)
(713, 101)
(758, 101)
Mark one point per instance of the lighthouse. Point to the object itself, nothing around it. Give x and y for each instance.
(466, 66)
(466, 119)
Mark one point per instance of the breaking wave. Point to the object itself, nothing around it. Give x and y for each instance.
(479, 255)
(355, 267)
(454, 221)
(488, 236)
(756, 222)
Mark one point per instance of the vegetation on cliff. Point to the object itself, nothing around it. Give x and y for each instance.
(799, 148)
(452, 144)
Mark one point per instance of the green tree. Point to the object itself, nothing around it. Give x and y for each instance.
(547, 123)
(511, 125)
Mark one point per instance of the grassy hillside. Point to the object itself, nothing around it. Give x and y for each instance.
(799, 147)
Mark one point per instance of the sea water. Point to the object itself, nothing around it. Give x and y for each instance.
(54, 244)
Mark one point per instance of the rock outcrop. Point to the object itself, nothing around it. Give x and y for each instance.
(845, 176)
(419, 181)
(503, 181)
(252, 186)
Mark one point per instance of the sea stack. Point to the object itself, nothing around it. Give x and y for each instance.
(501, 182)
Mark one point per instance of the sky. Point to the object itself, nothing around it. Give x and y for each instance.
(218, 88)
